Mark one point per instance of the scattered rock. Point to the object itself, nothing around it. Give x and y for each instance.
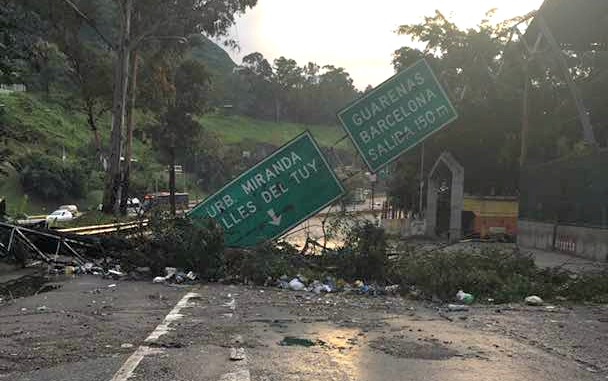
(237, 354)
(534, 301)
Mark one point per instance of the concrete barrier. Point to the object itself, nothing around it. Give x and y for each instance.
(404, 227)
(585, 242)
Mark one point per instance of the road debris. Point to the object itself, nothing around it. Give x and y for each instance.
(534, 301)
(457, 307)
(296, 285)
(464, 297)
(237, 354)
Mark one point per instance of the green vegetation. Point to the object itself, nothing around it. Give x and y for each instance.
(239, 129)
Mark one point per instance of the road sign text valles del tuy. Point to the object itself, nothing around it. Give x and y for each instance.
(269, 199)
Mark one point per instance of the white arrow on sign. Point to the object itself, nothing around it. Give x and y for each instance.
(276, 220)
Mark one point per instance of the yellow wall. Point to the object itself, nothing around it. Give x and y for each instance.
(491, 207)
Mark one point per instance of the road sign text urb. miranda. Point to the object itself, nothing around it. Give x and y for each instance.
(275, 195)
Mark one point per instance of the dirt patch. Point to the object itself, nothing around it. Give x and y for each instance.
(24, 286)
(411, 349)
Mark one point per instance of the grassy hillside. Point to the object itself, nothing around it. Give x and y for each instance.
(237, 129)
(35, 123)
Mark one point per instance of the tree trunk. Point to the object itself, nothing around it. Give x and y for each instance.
(172, 178)
(525, 123)
(95, 130)
(277, 110)
(129, 154)
(121, 76)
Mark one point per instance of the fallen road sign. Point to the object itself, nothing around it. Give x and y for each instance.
(266, 201)
(397, 115)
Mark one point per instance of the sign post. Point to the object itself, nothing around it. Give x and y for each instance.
(266, 201)
(397, 115)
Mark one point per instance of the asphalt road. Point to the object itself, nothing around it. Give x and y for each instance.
(189, 334)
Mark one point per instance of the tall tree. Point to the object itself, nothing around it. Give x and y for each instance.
(20, 30)
(184, 92)
(153, 19)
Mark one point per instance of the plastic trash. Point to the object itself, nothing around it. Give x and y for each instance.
(159, 279)
(115, 274)
(534, 301)
(296, 285)
(126, 345)
(464, 298)
(457, 307)
(112, 285)
(302, 278)
(170, 271)
(191, 275)
(393, 289)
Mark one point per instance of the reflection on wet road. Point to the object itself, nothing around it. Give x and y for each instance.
(301, 336)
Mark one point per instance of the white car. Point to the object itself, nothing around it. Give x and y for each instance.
(60, 215)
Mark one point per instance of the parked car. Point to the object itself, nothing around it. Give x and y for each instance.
(70, 208)
(60, 215)
(133, 206)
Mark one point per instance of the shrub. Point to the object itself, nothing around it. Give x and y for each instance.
(50, 178)
(364, 255)
(504, 276)
(179, 242)
(269, 260)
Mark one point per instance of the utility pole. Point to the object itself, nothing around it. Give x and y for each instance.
(172, 175)
(420, 197)
(119, 100)
(525, 118)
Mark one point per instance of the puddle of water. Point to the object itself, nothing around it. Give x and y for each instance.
(409, 349)
(297, 341)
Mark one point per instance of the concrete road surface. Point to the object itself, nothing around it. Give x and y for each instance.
(142, 331)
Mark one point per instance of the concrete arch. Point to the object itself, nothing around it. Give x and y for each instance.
(456, 200)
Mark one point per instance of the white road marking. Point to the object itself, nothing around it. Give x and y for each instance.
(127, 369)
(241, 375)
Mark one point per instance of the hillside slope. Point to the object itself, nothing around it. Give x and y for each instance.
(238, 129)
(32, 123)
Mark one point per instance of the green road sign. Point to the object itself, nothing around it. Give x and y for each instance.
(397, 115)
(266, 201)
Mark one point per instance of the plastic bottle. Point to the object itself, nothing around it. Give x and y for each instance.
(464, 297)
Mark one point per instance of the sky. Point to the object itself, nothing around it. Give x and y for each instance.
(358, 35)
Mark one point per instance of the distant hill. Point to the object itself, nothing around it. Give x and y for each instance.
(217, 59)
